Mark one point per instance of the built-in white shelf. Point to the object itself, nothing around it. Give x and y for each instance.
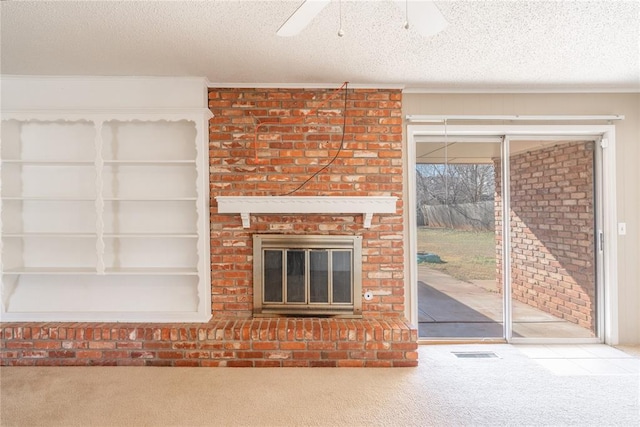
(153, 271)
(150, 162)
(49, 270)
(105, 235)
(49, 162)
(365, 205)
(150, 235)
(106, 199)
(150, 199)
(49, 199)
(52, 235)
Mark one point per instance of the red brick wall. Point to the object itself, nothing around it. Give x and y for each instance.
(552, 230)
(303, 133)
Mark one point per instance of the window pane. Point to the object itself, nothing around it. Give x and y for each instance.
(295, 276)
(272, 276)
(319, 280)
(341, 275)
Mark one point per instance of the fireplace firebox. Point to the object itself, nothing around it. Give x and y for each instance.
(312, 275)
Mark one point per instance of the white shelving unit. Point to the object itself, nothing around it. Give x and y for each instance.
(105, 211)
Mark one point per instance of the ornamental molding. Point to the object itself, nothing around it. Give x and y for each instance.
(106, 115)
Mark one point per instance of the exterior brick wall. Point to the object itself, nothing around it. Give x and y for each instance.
(299, 132)
(552, 230)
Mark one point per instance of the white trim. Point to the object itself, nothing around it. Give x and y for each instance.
(505, 196)
(610, 311)
(246, 205)
(413, 118)
(552, 341)
(411, 306)
(249, 85)
(609, 225)
(598, 232)
(47, 77)
(124, 114)
(522, 130)
(520, 89)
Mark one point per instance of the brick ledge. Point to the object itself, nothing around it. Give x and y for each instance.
(277, 342)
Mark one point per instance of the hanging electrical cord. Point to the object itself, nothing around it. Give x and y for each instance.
(333, 159)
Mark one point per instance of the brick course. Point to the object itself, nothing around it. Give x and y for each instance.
(226, 342)
(552, 230)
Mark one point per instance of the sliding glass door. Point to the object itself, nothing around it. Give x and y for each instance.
(509, 239)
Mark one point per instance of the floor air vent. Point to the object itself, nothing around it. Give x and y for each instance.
(475, 354)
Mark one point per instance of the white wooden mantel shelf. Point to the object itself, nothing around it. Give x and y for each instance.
(247, 205)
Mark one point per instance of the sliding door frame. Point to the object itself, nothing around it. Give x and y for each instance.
(605, 231)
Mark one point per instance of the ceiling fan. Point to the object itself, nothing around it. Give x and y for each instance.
(425, 17)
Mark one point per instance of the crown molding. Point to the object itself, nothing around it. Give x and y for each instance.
(522, 89)
(302, 85)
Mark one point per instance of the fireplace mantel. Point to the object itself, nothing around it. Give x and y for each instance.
(365, 205)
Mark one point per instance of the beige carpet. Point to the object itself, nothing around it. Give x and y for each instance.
(511, 389)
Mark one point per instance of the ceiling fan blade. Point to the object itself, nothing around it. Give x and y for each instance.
(423, 16)
(302, 16)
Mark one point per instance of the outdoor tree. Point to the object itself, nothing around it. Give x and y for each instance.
(462, 188)
(439, 184)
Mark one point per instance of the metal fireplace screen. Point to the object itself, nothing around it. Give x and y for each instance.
(307, 275)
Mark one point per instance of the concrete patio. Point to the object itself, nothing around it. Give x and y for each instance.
(451, 308)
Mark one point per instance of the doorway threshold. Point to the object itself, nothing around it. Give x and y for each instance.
(453, 341)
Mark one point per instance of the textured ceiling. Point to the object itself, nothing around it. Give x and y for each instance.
(488, 45)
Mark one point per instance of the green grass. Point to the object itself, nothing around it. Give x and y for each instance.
(468, 255)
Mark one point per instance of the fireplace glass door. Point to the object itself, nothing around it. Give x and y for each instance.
(318, 276)
(308, 276)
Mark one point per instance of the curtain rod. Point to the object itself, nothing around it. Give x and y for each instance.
(441, 119)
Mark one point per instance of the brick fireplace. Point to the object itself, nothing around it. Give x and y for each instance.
(298, 134)
(269, 142)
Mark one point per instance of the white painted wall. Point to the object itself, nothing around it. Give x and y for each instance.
(628, 165)
(89, 92)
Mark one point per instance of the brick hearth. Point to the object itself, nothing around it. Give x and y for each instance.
(279, 342)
